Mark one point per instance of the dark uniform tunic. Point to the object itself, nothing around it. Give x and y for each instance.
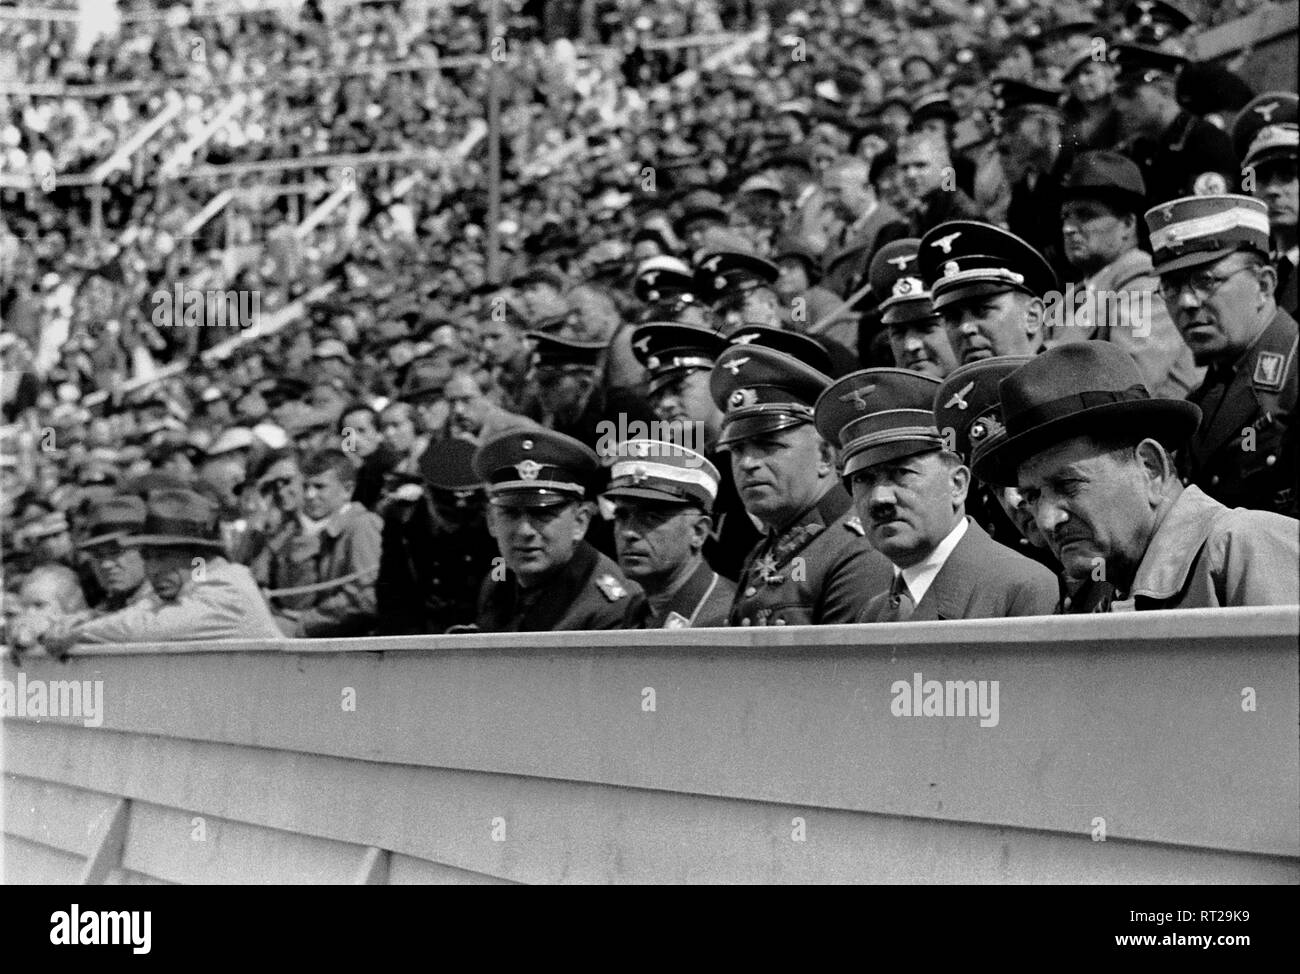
(702, 602)
(1250, 404)
(429, 577)
(818, 571)
(1185, 160)
(590, 592)
(733, 534)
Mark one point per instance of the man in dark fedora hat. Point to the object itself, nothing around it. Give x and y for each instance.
(198, 593)
(663, 496)
(910, 492)
(119, 568)
(1091, 451)
(1219, 283)
(1102, 199)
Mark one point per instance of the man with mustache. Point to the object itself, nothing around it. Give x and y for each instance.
(910, 492)
(678, 358)
(663, 494)
(549, 578)
(988, 286)
(1267, 138)
(916, 334)
(814, 564)
(1091, 451)
(1218, 281)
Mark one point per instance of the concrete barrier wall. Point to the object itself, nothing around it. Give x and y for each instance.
(732, 755)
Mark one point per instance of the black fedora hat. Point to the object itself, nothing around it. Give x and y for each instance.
(1075, 389)
(176, 517)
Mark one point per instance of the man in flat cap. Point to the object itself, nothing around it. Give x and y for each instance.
(679, 359)
(1177, 152)
(916, 333)
(1218, 281)
(436, 548)
(740, 288)
(814, 564)
(549, 578)
(910, 493)
(663, 495)
(198, 594)
(1267, 138)
(988, 286)
(1117, 301)
(1091, 451)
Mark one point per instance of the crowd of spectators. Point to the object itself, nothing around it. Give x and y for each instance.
(783, 141)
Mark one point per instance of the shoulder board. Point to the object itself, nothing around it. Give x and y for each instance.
(854, 524)
(610, 587)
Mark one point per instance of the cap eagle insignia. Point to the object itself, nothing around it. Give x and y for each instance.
(959, 397)
(945, 243)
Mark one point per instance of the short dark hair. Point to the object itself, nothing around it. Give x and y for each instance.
(357, 406)
(330, 459)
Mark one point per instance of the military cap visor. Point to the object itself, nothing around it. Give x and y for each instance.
(552, 351)
(877, 416)
(668, 350)
(761, 390)
(534, 468)
(1137, 64)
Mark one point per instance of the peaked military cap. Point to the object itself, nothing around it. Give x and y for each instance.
(725, 272)
(1011, 95)
(965, 258)
(113, 518)
(878, 415)
(1155, 20)
(1072, 390)
(895, 277)
(761, 390)
(803, 347)
(1267, 128)
(552, 351)
(655, 470)
(668, 349)
(658, 278)
(967, 409)
(1108, 176)
(933, 104)
(535, 468)
(1139, 65)
(1202, 229)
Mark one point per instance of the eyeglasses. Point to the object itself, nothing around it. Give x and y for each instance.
(1203, 284)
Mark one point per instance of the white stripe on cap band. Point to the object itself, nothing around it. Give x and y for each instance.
(1186, 231)
(980, 274)
(1274, 137)
(665, 471)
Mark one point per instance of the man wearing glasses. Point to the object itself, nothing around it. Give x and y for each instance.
(1212, 256)
(119, 569)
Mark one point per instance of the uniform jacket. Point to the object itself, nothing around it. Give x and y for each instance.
(702, 602)
(1258, 394)
(733, 534)
(224, 604)
(980, 580)
(1161, 355)
(346, 551)
(590, 592)
(429, 578)
(817, 571)
(1205, 555)
(1185, 160)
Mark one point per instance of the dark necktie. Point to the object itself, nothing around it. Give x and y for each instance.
(901, 605)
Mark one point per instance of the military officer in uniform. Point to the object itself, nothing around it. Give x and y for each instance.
(988, 286)
(910, 493)
(916, 333)
(678, 359)
(1216, 277)
(814, 564)
(663, 494)
(1267, 138)
(1179, 154)
(436, 547)
(968, 413)
(548, 578)
(740, 288)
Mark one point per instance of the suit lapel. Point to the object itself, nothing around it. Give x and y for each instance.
(949, 593)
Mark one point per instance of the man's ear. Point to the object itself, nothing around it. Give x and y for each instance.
(581, 519)
(959, 481)
(701, 525)
(1157, 468)
(1035, 314)
(1267, 279)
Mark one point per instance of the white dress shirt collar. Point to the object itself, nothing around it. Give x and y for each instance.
(920, 576)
